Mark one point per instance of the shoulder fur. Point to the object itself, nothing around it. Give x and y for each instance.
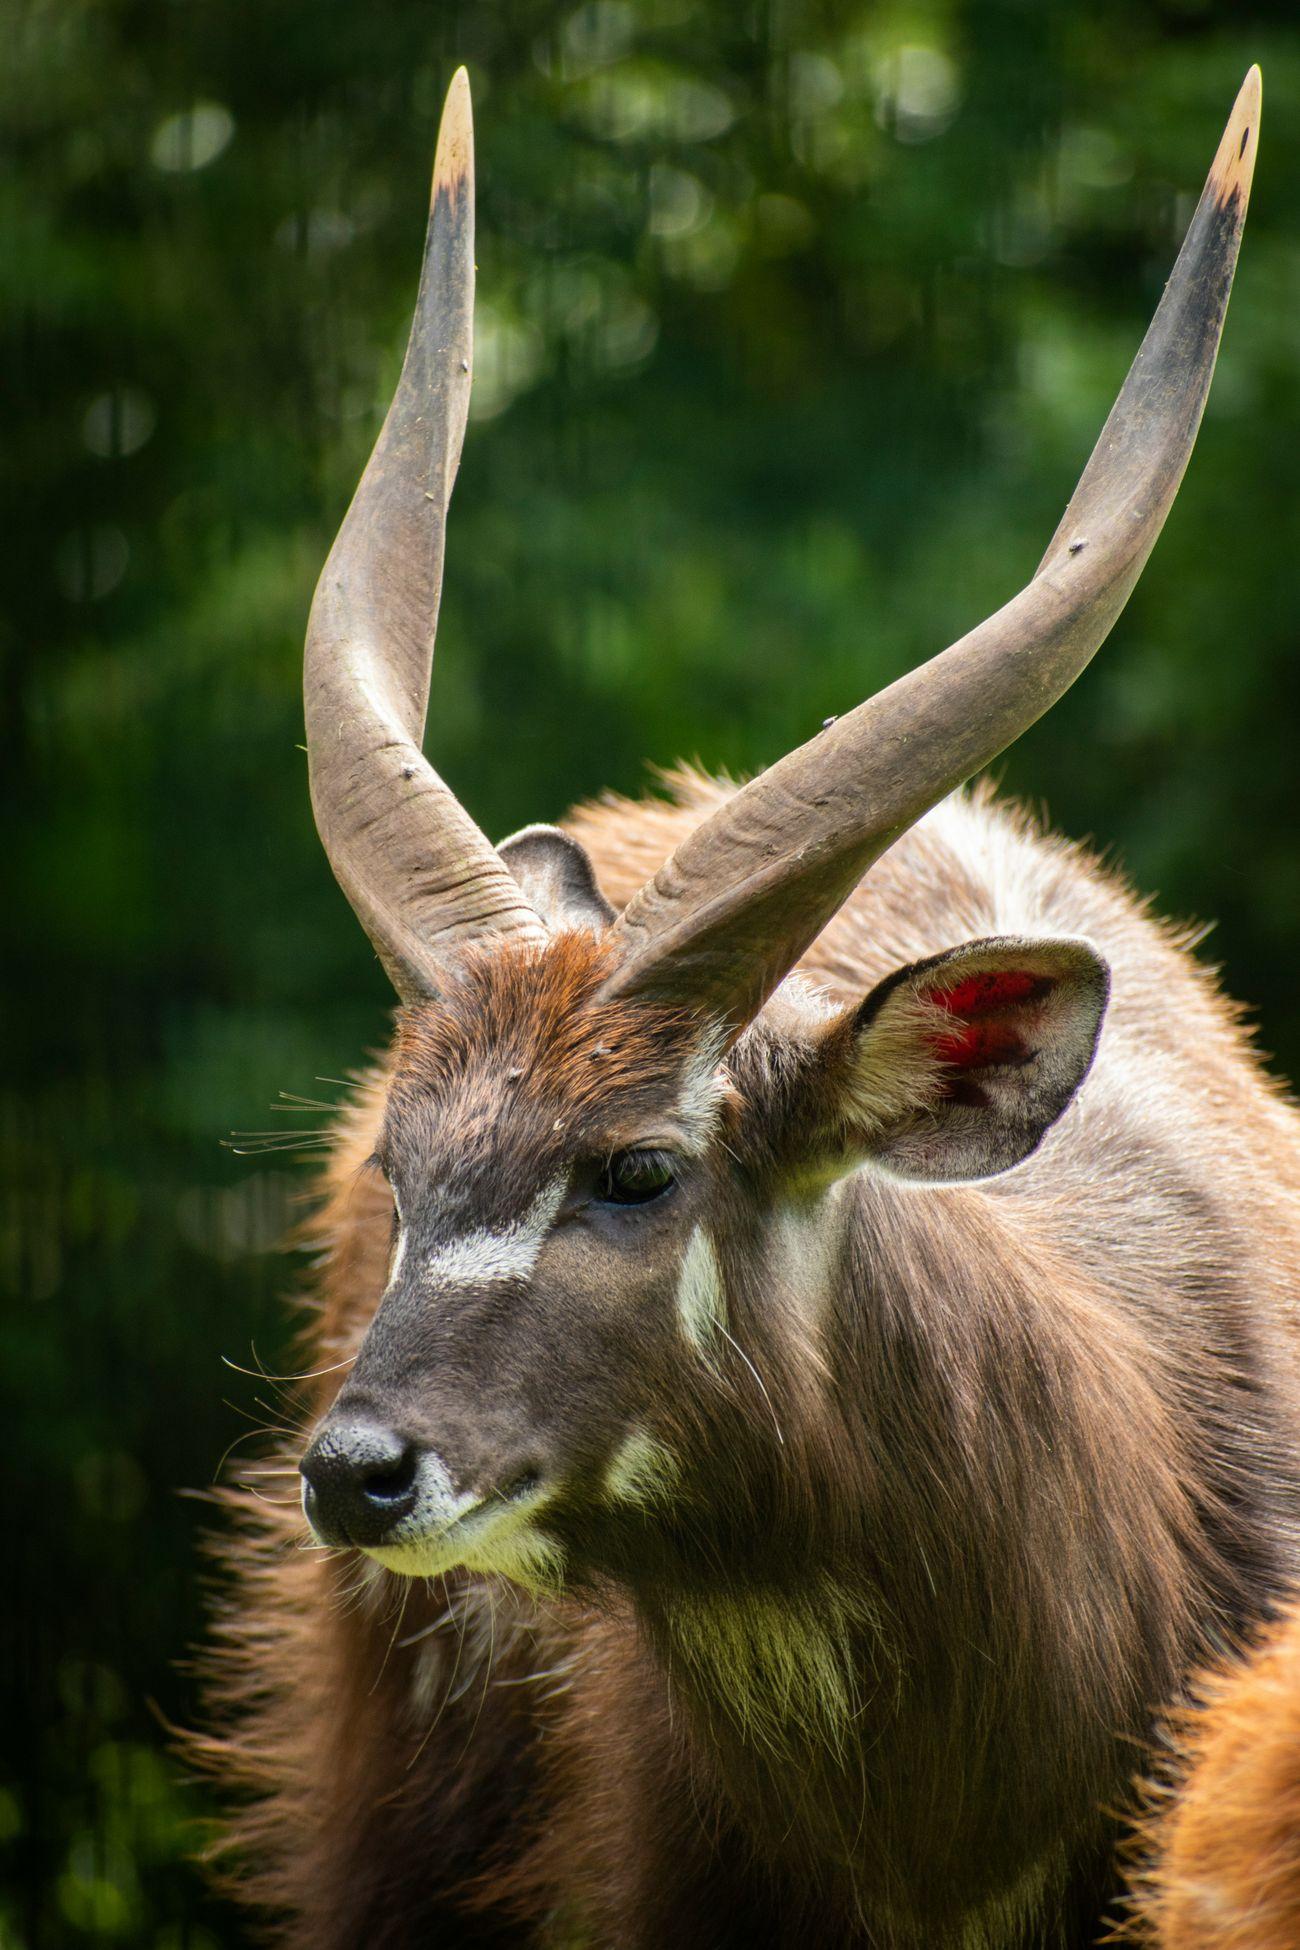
(1222, 1841)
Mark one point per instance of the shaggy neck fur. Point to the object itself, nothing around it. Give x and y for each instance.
(847, 1614)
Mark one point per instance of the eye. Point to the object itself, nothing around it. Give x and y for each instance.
(636, 1177)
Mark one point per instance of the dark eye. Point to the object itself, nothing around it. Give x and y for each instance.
(636, 1177)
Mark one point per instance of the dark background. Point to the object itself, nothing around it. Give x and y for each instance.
(796, 322)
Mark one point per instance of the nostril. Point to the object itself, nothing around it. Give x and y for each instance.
(521, 1485)
(392, 1482)
(360, 1480)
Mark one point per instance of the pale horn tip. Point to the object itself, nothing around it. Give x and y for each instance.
(454, 161)
(1234, 164)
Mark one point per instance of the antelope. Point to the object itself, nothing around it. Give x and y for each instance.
(811, 1284)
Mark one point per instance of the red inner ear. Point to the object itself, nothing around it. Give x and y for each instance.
(987, 1004)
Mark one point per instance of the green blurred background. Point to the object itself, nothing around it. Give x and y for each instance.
(796, 321)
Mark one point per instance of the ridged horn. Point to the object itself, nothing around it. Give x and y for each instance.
(420, 874)
(749, 889)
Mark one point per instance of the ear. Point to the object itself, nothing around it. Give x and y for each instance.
(954, 1067)
(557, 877)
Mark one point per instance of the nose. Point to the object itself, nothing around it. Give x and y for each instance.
(359, 1480)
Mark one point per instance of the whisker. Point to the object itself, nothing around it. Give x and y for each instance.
(297, 1429)
(245, 1435)
(487, 1674)
(289, 1401)
(263, 1374)
(267, 1428)
(442, 1705)
(392, 1636)
(256, 1144)
(758, 1378)
(563, 1671)
(351, 1597)
(427, 1631)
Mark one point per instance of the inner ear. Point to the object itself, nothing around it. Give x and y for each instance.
(955, 1067)
(556, 875)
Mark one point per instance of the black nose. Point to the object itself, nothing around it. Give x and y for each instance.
(360, 1481)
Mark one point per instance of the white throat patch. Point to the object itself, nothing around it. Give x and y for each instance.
(777, 1666)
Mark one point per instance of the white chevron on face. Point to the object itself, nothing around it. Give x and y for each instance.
(508, 1253)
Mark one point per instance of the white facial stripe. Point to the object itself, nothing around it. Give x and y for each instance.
(508, 1254)
(643, 1471)
(703, 1088)
(701, 1298)
(398, 1256)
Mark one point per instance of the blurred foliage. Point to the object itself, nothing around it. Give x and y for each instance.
(796, 321)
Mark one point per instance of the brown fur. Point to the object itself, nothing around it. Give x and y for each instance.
(882, 1674)
(1222, 1845)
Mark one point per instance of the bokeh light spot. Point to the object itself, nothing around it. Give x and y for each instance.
(192, 138)
(91, 561)
(918, 92)
(118, 422)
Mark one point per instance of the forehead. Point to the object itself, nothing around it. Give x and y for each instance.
(519, 1065)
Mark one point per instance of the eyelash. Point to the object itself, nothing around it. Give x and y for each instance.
(375, 1163)
(655, 1169)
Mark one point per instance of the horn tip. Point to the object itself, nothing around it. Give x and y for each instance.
(454, 161)
(1234, 165)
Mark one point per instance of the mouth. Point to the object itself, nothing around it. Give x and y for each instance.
(495, 1533)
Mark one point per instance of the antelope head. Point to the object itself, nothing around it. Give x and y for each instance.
(593, 1117)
